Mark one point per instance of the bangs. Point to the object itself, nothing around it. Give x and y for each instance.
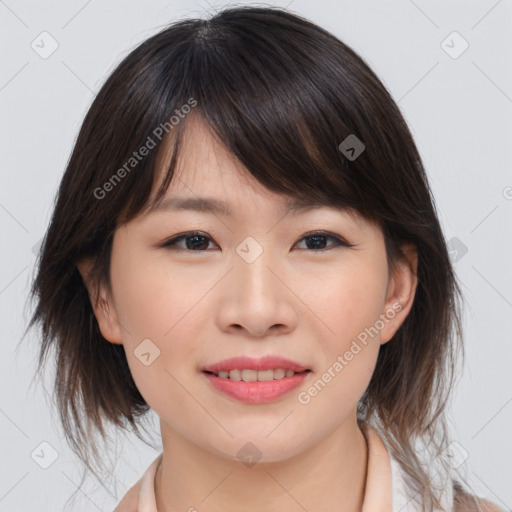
(280, 109)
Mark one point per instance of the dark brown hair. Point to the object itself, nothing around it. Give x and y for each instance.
(281, 94)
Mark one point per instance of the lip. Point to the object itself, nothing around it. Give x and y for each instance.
(256, 392)
(264, 363)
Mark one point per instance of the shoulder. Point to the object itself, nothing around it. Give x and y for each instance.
(130, 501)
(465, 502)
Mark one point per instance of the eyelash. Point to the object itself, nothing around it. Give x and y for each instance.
(171, 244)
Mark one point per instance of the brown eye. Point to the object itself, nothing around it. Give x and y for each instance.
(317, 241)
(194, 242)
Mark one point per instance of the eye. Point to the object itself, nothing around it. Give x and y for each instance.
(196, 241)
(317, 241)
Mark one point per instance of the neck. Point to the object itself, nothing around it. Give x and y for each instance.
(330, 475)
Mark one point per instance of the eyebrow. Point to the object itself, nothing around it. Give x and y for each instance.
(215, 206)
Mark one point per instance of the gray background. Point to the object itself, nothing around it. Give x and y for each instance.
(459, 110)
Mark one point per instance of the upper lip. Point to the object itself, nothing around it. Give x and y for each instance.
(249, 363)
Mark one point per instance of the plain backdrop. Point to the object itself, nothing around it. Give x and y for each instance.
(454, 90)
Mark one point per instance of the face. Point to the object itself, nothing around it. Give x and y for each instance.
(193, 288)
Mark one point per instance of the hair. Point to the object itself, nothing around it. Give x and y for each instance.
(281, 94)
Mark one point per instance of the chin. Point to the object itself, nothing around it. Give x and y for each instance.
(249, 449)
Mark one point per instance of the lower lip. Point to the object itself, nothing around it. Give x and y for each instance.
(256, 392)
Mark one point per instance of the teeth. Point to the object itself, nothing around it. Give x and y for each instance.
(256, 375)
(279, 373)
(249, 375)
(235, 375)
(265, 375)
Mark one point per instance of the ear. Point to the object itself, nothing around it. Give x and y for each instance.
(401, 291)
(102, 305)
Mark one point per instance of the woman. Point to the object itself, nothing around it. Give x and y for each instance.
(245, 242)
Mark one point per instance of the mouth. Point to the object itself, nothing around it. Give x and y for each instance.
(256, 386)
(249, 375)
(256, 380)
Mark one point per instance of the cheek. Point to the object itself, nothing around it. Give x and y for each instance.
(158, 313)
(349, 355)
(350, 302)
(154, 300)
(350, 305)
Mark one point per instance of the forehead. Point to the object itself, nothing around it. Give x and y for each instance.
(203, 162)
(209, 179)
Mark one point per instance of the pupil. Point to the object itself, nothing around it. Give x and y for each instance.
(195, 245)
(315, 239)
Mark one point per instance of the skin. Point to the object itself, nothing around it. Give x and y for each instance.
(293, 300)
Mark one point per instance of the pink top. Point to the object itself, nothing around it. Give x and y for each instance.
(386, 490)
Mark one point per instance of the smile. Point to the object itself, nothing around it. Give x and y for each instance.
(256, 386)
(255, 375)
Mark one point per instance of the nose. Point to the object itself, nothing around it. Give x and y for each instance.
(256, 297)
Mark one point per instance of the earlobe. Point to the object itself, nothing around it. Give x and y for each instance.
(401, 291)
(102, 305)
